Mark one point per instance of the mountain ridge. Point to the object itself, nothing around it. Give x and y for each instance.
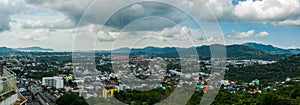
(248, 50)
(7, 50)
(33, 48)
(271, 48)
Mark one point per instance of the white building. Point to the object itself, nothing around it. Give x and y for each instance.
(57, 82)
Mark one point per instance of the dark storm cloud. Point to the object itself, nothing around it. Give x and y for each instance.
(39, 2)
(7, 10)
(73, 9)
(4, 23)
(77, 8)
(158, 16)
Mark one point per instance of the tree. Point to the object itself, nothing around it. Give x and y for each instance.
(71, 99)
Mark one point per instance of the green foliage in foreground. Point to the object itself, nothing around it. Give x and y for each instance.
(144, 97)
(283, 96)
(71, 99)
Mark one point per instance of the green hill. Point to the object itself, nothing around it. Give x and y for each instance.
(288, 67)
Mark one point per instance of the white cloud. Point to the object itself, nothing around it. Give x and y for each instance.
(43, 18)
(267, 10)
(282, 12)
(179, 36)
(262, 34)
(107, 36)
(245, 34)
(32, 35)
(295, 22)
(61, 40)
(222, 9)
(212, 40)
(251, 33)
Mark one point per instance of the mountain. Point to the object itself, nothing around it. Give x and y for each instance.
(7, 50)
(246, 52)
(121, 50)
(150, 49)
(34, 49)
(295, 51)
(237, 51)
(272, 49)
(241, 52)
(157, 50)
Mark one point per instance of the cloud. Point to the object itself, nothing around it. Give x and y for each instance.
(43, 18)
(38, 2)
(107, 36)
(251, 33)
(277, 12)
(35, 35)
(183, 35)
(281, 12)
(58, 39)
(100, 10)
(262, 34)
(245, 34)
(156, 16)
(74, 9)
(293, 22)
(267, 10)
(222, 9)
(7, 9)
(166, 33)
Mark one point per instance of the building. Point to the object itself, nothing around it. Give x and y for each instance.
(9, 94)
(57, 82)
(34, 89)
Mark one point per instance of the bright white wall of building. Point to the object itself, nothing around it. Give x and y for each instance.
(57, 82)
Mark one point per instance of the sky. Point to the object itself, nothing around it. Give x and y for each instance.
(65, 25)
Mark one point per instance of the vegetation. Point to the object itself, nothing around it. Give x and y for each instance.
(40, 75)
(289, 67)
(71, 99)
(147, 97)
(283, 96)
(233, 52)
(267, 74)
(105, 67)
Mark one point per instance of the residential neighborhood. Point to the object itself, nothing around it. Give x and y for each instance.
(42, 82)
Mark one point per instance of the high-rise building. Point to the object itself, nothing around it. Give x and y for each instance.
(57, 82)
(9, 94)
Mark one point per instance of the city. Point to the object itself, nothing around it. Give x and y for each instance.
(44, 77)
(146, 52)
